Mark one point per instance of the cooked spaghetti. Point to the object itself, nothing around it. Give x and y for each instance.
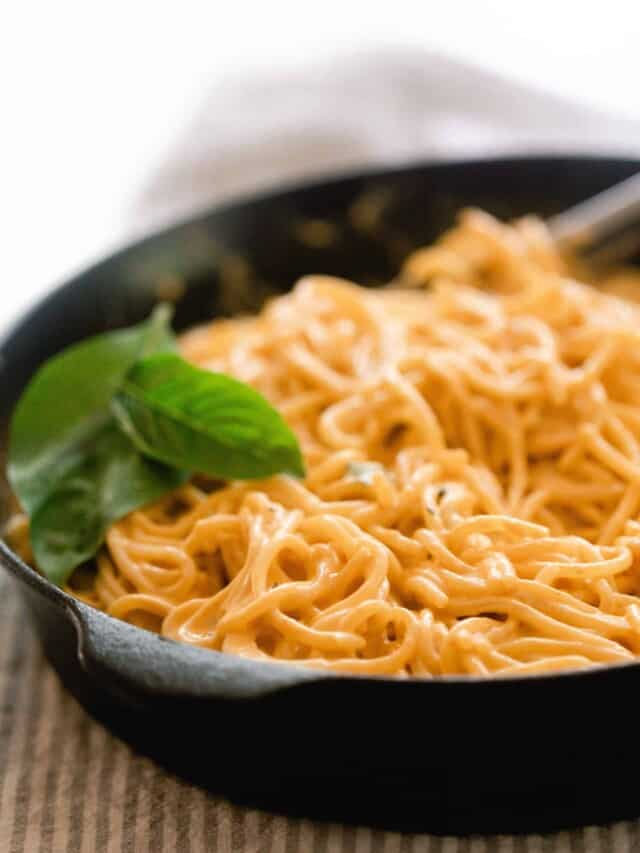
(472, 498)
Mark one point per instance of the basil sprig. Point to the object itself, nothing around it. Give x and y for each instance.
(116, 421)
(67, 403)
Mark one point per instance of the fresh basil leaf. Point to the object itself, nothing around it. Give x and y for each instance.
(104, 483)
(66, 405)
(115, 422)
(202, 421)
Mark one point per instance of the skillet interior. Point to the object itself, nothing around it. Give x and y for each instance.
(448, 756)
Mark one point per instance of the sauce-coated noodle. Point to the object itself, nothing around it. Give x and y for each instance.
(497, 532)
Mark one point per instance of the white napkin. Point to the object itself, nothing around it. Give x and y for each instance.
(390, 106)
(253, 130)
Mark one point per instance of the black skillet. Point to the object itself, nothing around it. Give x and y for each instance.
(448, 755)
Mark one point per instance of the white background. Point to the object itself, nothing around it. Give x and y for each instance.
(118, 116)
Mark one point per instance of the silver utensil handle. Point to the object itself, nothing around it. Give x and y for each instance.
(602, 218)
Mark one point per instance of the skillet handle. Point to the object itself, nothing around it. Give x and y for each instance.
(137, 666)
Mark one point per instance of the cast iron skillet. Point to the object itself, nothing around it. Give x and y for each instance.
(449, 755)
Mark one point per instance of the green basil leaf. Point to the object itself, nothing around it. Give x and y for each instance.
(205, 422)
(104, 483)
(66, 405)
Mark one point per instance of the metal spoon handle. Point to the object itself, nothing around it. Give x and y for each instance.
(607, 224)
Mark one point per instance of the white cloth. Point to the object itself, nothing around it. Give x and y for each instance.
(371, 108)
(239, 132)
